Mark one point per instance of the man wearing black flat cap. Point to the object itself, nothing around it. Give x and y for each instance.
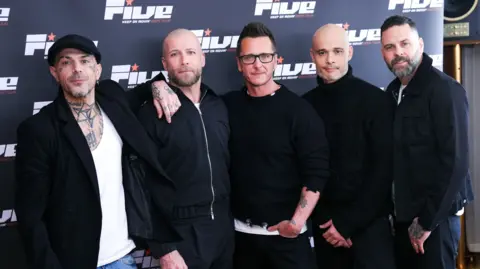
(79, 200)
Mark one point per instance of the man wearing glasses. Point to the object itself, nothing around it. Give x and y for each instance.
(279, 160)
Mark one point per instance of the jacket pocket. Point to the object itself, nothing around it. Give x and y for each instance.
(415, 129)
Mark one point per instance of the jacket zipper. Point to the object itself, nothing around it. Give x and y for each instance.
(208, 157)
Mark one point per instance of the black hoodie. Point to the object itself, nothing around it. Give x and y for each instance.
(358, 120)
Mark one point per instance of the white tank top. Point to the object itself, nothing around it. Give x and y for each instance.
(114, 241)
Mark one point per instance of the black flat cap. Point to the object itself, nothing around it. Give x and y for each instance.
(73, 42)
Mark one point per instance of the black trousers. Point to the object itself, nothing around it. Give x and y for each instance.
(372, 249)
(207, 244)
(272, 252)
(440, 247)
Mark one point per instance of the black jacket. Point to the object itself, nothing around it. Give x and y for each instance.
(358, 120)
(193, 150)
(57, 196)
(431, 152)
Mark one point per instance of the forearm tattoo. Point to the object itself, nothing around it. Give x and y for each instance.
(303, 202)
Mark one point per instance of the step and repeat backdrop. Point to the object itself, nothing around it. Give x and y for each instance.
(130, 33)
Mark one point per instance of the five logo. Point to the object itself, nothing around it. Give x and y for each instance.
(4, 14)
(293, 71)
(211, 44)
(8, 85)
(285, 10)
(416, 5)
(7, 152)
(134, 77)
(8, 218)
(134, 14)
(41, 42)
(363, 36)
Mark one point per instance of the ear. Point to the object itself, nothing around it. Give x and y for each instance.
(239, 64)
(164, 63)
(203, 59)
(350, 52)
(275, 61)
(421, 45)
(312, 55)
(98, 71)
(53, 71)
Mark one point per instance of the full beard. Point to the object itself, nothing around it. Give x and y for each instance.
(197, 74)
(408, 70)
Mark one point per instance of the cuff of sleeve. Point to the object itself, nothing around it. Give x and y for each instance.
(315, 185)
(159, 250)
(425, 219)
(426, 222)
(159, 77)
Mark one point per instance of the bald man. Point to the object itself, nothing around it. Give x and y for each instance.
(194, 152)
(352, 218)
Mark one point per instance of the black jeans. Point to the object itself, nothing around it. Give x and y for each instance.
(272, 252)
(441, 246)
(372, 248)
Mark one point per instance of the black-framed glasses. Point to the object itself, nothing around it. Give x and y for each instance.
(263, 57)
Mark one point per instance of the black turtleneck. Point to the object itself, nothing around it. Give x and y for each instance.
(358, 119)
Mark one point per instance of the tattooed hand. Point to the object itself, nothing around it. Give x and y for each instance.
(165, 100)
(418, 236)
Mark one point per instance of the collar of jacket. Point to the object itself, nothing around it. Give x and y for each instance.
(337, 84)
(204, 90)
(420, 79)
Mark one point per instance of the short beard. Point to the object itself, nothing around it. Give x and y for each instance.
(186, 83)
(412, 65)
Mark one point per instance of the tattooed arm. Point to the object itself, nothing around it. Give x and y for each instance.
(308, 200)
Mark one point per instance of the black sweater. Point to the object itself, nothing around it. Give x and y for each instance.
(358, 120)
(277, 146)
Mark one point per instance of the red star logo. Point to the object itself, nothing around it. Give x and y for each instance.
(345, 26)
(280, 60)
(51, 37)
(135, 67)
(129, 2)
(207, 32)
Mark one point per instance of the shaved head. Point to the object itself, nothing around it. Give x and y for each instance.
(183, 58)
(329, 32)
(331, 52)
(181, 34)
